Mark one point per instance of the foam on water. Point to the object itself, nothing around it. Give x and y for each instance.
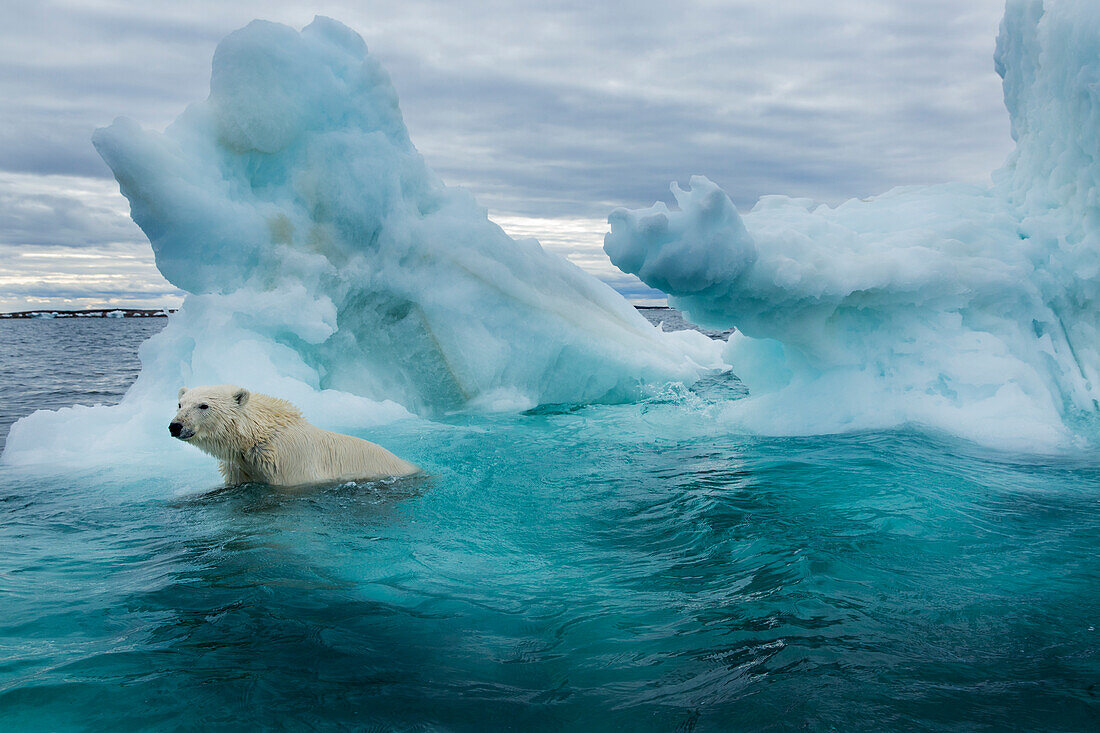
(968, 309)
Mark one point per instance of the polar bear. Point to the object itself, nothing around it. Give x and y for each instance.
(264, 439)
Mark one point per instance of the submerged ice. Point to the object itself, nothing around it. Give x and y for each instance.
(328, 264)
(963, 308)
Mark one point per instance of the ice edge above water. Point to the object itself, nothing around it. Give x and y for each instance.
(966, 309)
(329, 265)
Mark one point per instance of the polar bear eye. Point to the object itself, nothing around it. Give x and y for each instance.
(203, 406)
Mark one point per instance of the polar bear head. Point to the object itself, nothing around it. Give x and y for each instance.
(208, 414)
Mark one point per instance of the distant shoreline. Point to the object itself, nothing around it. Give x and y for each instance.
(48, 314)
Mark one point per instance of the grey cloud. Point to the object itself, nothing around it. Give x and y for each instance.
(577, 101)
(828, 105)
(55, 277)
(67, 217)
(552, 110)
(43, 146)
(44, 289)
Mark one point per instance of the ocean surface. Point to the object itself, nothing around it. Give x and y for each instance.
(584, 568)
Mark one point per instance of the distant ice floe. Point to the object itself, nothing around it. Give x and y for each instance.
(329, 265)
(967, 309)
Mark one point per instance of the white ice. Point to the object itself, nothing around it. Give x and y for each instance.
(961, 308)
(328, 265)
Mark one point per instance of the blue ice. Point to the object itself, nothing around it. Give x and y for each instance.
(962, 308)
(327, 264)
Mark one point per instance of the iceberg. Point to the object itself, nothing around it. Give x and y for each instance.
(968, 309)
(327, 264)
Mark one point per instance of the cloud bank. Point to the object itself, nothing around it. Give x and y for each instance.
(550, 116)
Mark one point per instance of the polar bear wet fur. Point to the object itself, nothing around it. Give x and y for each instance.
(265, 439)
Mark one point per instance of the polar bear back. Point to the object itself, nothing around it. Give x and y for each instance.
(303, 453)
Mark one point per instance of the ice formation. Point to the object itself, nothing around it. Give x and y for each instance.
(327, 264)
(963, 308)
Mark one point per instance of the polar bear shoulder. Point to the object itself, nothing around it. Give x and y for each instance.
(265, 439)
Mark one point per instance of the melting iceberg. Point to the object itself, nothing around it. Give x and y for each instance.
(327, 264)
(969, 309)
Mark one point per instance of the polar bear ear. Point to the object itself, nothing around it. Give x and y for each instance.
(241, 396)
(182, 392)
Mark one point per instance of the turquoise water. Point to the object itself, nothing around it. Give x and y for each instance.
(630, 567)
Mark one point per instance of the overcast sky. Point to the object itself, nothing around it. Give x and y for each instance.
(552, 114)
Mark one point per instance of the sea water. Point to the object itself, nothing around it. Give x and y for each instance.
(47, 364)
(627, 567)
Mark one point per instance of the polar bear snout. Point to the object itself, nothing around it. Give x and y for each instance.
(178, 431)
